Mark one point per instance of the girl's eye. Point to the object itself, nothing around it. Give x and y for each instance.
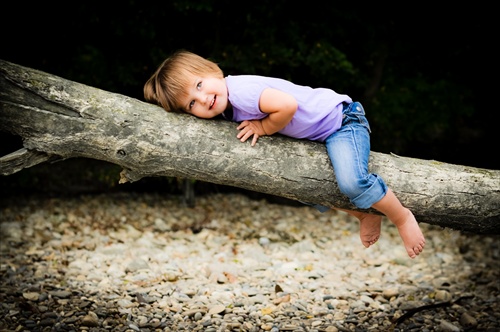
(198, 86)
(191, 104)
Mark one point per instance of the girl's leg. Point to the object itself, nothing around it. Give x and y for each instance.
(349, 151)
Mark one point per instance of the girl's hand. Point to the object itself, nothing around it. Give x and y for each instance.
(249, 128)
(279, 106)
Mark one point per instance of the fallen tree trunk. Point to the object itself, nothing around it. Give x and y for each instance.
(59, 118)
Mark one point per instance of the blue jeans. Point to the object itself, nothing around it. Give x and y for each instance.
(349, 152)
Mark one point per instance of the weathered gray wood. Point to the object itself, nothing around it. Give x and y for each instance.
(20, 159)
(59, 118)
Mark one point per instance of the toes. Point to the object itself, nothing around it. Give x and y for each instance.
(369, 243)
(417, 250)
(413, 252)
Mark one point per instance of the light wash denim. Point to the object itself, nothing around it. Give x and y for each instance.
(349, 152)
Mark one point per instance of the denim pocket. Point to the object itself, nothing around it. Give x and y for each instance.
(355, 113)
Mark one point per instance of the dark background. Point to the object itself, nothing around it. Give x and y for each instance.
(426, 76)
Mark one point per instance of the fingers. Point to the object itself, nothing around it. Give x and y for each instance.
(254, 140)
(243, 124)
(246, 132)
(244, 136)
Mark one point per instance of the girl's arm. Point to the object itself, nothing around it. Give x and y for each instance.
(281, 108)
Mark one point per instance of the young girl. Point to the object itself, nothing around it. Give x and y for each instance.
(186, 82)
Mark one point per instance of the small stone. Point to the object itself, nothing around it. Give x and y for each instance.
(61, 294)
(90, 320)
(217, 309)
(266, 327)
(264, 241)
(32, 296)
(134, 327)
(155, 322)
(331, 329)
(47, 322)
(443, 296)
(467, 321)
(446, 326)
(136, 265)
(390, 293)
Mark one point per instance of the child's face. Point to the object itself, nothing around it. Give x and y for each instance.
(206, 97)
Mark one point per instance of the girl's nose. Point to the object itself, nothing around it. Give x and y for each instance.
(201, 98)
(204, 98)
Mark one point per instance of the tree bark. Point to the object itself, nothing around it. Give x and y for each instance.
(59, 118)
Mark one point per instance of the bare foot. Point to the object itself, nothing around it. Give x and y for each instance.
(404, 220)
(412, 236)
(369, 228)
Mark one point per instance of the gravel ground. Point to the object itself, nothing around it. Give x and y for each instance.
(146, 262)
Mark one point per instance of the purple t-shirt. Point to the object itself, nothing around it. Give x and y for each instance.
(319, 112)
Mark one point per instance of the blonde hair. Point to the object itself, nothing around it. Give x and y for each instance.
(169, 84)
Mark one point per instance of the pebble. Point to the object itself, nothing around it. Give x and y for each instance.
(147, 262)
